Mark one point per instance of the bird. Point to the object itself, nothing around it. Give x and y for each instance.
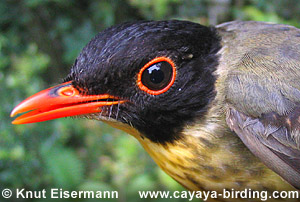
(216, 107)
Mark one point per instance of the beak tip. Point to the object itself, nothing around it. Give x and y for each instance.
(14, 121)
(14, 112)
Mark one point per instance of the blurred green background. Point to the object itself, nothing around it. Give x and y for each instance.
(39, 40)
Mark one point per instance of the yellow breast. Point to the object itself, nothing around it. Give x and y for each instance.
(210, 157)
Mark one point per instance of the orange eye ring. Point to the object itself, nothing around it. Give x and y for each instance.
(149, 64)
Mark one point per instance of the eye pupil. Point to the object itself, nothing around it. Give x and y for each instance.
(157, 76)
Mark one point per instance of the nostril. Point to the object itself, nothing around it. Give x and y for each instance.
(67, 91)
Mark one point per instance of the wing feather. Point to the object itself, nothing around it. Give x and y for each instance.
(280, 156)
(260, 68)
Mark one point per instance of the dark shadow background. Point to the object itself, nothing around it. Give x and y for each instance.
(39, 40)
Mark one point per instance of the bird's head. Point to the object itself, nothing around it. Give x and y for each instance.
(155, 77)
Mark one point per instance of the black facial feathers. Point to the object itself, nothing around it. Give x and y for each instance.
(110, 62)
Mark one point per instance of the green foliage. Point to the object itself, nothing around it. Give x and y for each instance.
(73, 42)
(257, 15)
(64, 167)
(39, 40)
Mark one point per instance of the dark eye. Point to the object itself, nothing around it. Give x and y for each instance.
(157, 76)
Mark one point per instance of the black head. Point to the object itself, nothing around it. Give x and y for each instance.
(160, 103)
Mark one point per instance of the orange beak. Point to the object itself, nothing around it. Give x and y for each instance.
(60, 101)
